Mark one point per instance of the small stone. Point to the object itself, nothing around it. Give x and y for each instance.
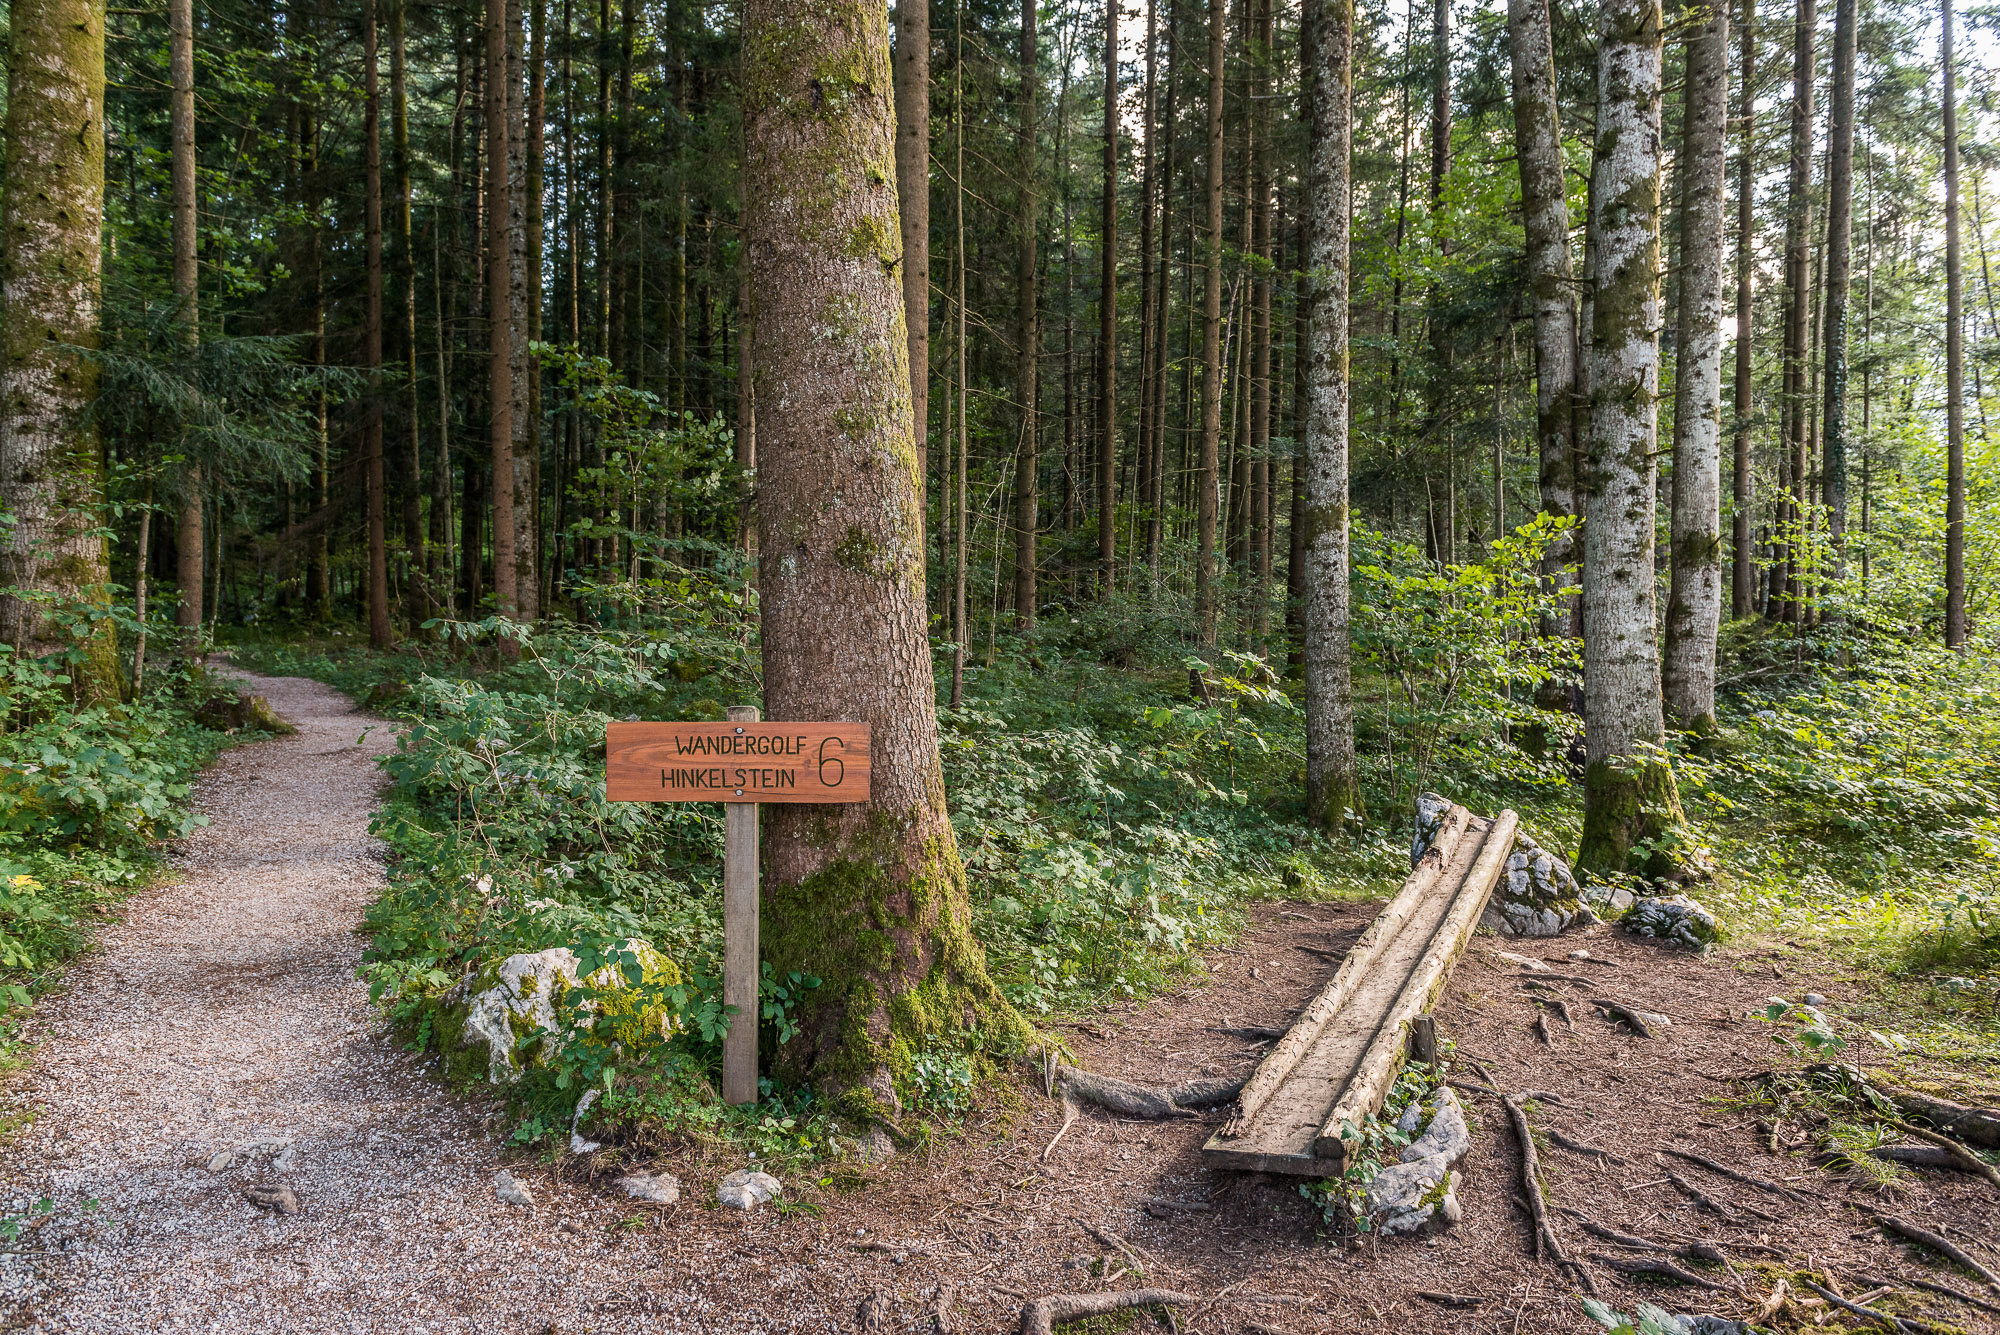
(1579, 954)
(221, 1163)
(272, 1196)
(661, 1189)
(286, 1160)
(1654, 1019)
(746, 1187)
(512, 1190)
(1447, 1137)
(1524, 961)
(1815, 999)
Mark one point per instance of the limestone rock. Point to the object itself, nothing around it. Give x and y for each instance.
(1537, 896)
(512, 1189)
(1431, 811)
(1420, 1194)
(1608, 900)
(746, 1187)
(660, 1189)
(273, 1196)
(1675, 919)
(517, 999)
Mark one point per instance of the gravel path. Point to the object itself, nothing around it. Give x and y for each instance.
(223, 1012)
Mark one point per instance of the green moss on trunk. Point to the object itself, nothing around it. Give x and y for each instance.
(1632, 809)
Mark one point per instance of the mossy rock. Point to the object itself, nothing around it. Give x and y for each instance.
(385, 695)
(512, 1009)
(241, 713)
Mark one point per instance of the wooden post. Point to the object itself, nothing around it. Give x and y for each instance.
(739, 939)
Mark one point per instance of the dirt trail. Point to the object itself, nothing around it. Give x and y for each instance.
(223, 1011)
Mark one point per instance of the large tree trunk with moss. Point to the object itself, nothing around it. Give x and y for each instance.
(1694, 605)
(1545, 224)
(1333, 793)
(1628, 795)
(870, 897)
(913, 191)
(50, 474)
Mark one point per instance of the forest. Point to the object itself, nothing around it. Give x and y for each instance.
(1207, 442)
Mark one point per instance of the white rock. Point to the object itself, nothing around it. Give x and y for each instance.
(1420, 1194)
(1673, 918)
(661, 1189)
(221, 1162)
(747, 1187)
(1524, 961)
(1447, 1137)
(577, 1144)
(512, 1190)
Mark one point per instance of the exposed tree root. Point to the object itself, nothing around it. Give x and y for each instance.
(941, 1302)
(1708, 1202)
(1143, 1101)
(1957, 1295)
(1691, 1251)
(1971, 1162)
(1041, 1316)
(1256, 1031)
(1542, 1030)
(873, 1313)
(1980, 1126)
(1450, 1299)
(1646, 1265)
(1618, 1010)
(1896, 1323)
(1558, 1005)
(1582, 1147)
(1920, 1156)
(1141, 1260)
(1721, 1170)
(1942, 1246)
(1070, 1111)
(1531, 1182)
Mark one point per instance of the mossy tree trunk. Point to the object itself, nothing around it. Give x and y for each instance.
(1629, 795)
(190, 560)
(50, 474)
(913, 191)
(1694, 603)
(1333, 794)
(870, 898)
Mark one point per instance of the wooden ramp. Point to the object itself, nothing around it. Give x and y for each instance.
(1340, 1057)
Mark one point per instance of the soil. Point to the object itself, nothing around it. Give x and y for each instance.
(223, 1010)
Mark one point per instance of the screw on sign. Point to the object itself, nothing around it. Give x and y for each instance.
(740, 763)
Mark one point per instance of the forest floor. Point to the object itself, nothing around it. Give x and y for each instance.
(223, 1011)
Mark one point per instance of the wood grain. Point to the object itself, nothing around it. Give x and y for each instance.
(736, 762)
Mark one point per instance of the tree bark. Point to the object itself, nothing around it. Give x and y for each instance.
(189, 560)
(1260, 322)
(51, 214)
(1954, 360)
(406, 276)
(379, 633)
(1027, 332)
(913, 194)
(1629, 795)
(1743, 569)
(522, 373)
(870, 897)
(1798, 307)
(1551, 283)
(1107, 314)
(1839, 260)
(529, 489)
(1694, 605)
(1333, 793)
(1208, 501)
(499, 310)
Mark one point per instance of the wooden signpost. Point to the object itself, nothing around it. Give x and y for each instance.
(739, 763)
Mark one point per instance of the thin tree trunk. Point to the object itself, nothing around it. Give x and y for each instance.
(1442, 535)
(1628, 795)
(525, 569)
(869, 897)
(379, 634)
(190, 562)
(1839, 251)
(1209, 499)
(1798, 304)
(499, 309)
(1107, 328)
(1551, 284)
(961, 626)
(529, 442)
(913, 192)
(1260, 322)
(406, 275)
(1694, 605)
(1743, 570)
(1163, 322)
(1149, 294)
(1027, 331)
(1954, 359)
(1333, 793)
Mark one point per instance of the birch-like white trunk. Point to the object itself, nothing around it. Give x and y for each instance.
(1332, 794)
(52, 213)
(1624, 795)
(1694, 605)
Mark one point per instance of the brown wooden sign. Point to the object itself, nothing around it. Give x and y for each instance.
(736, 762)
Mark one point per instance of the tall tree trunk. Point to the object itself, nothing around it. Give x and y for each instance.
(1545, 220)
(1743, 568)
(522, 374)
(913, 193)
(379, 634)
(1694, 605)
(189, 559)
(406, 276)
(1798, 305)
(1333, 791)
(1442, 536)
(1954, 360)
(1839, 258)
(1260, 321)
(499, 310)
(1208, 501)
(1149, 294)
(1156, 501)
(528, 490)
(871, 897)
(1107, 317)
(1027, 330)
(51, 214)
(1628, 795)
